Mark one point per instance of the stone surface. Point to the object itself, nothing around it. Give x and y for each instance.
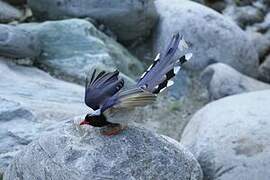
(8, 13)
(230, 137)
(70, 48)
(128, 19)
(221, 80)
(264, 70)
(245, 15)
(72, 152)
(30, 102)
(212, 37)
(17, 43)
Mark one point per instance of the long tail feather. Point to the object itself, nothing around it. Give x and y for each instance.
(165, 66)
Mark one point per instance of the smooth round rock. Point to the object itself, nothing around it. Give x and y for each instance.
(211, 36)
(221, 80)
(74, 152)
(230, 137)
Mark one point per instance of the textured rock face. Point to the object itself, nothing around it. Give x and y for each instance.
(212, 37)
(230, 137)
(221, 80)
(70, 48)
(14, 119)
(31, 101)
(18, 43)
(128, 19)
(8, 13)
(72, 152)
(264, 70)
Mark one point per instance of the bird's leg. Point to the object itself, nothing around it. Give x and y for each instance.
(113, 129)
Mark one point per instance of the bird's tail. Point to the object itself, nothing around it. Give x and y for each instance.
(165, 66)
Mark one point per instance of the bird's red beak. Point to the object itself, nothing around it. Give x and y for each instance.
(84, 122)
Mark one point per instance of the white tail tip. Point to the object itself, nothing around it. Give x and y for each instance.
(188, 56)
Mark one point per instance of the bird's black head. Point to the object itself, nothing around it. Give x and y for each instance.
(96, 120)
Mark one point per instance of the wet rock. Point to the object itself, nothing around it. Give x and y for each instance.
(221, 80)
(230, 137)
(72, 152)
(128, 19)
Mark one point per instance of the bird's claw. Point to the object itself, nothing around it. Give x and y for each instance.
(113, 130)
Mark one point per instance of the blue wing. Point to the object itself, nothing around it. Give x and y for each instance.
(101, 87)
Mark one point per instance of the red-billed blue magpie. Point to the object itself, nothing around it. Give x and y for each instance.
(103, 90)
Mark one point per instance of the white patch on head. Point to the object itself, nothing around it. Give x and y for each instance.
(176, 69)
(156, 87)
(188, 56)
(157, 57)
(142, 76)
(182, 45)
(96, 112)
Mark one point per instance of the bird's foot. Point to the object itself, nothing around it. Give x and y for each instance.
(112, 130)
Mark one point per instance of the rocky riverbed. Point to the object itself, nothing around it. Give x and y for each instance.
(212, 124)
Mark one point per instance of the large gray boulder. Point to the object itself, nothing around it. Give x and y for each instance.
(9, 13)
(212, 37)
(71, 48)
(230, 137)
(17, 43)
(72, 152)
(128, 19)
(30, 102)
(221, 80)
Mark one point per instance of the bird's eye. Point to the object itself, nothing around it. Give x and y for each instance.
(88, 116)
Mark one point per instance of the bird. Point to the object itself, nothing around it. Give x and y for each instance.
(104, 94)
